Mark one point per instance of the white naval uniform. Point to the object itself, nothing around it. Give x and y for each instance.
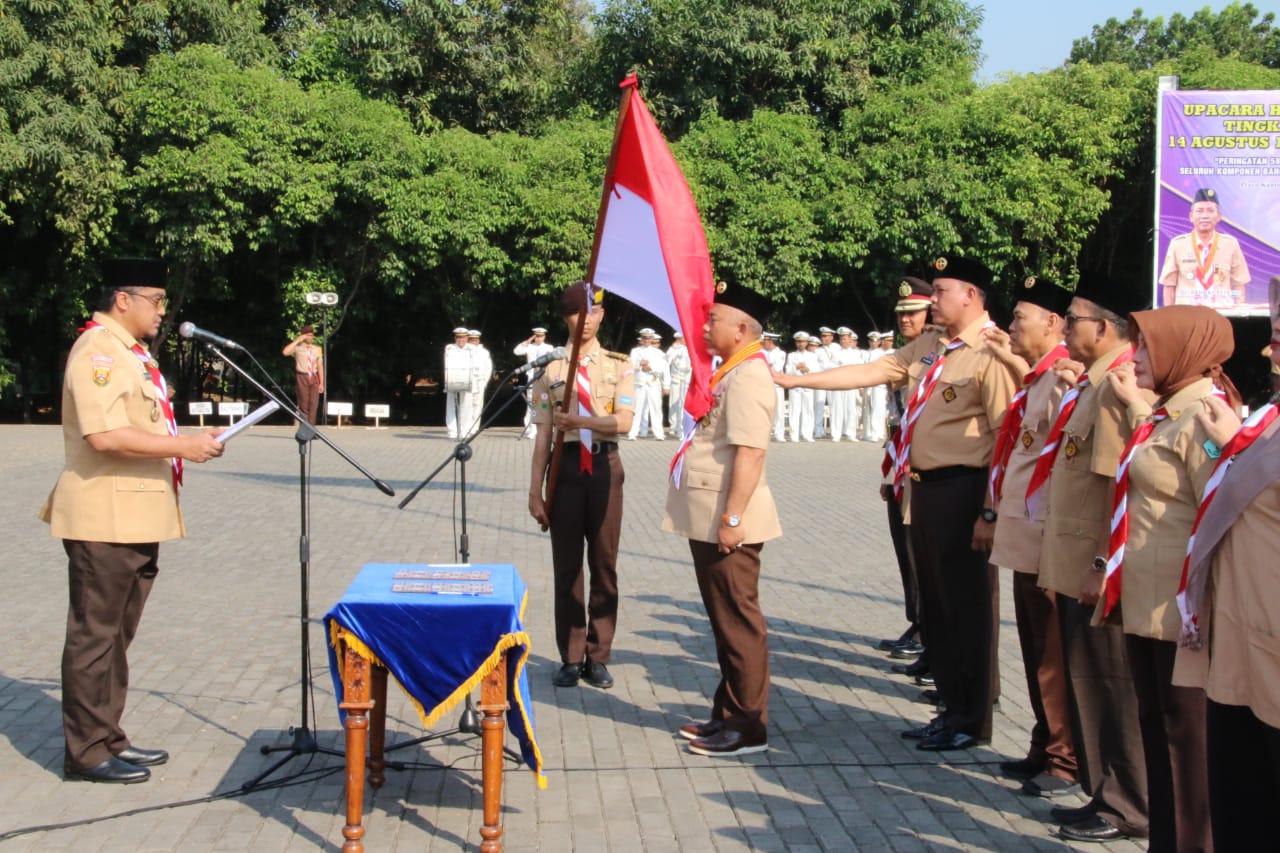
(846, 406)
(531, 353)
(778, 364)
(876, 408)
(459, 406)
(649, 387)
(680, 368)
(481, 375)
(800, 400)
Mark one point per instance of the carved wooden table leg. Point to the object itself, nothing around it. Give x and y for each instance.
(493, 703)
(355, 696)
(378, 728)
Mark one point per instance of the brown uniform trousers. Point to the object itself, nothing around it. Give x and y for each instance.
(730, 587)
(587, 509)
(308, 396)
(109, 584)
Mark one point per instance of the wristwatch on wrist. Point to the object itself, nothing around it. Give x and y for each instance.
(989, 515)
(1099, 564)
(731, 520)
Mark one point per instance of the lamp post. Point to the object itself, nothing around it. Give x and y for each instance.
(327, 300)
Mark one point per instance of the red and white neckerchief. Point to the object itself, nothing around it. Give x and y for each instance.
(1012, 424)
(1249, 431)
(585, 410)
(1049, 453)
(750, 351)
(311, 361)
(1204, 263)
(902, 453)
(157, 379)
(1120, 508)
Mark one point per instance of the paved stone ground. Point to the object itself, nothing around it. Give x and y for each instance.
(216, 672)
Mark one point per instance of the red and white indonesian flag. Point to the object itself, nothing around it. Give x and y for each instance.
(652, 249)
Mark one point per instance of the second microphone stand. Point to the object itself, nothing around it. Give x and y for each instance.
(469, 722)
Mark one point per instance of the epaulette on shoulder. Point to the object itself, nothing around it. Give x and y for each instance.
(618, 356)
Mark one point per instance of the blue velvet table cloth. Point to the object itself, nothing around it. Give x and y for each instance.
(439, 647)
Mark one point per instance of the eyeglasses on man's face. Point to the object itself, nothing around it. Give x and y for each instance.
(158, 300)
(1072, 319)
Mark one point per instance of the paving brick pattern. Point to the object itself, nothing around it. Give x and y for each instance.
(215, 671)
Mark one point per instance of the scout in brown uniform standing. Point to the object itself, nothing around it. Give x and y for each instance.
(1092, 426)
(948, 435)
(1035, 338)
(1180, 351)
(588, 498)
(114, 502)
(723, 506)
(1232, 590)
(308, 370)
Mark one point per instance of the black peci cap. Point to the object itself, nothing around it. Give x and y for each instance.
(1039, 290)
(747, 301)
(119, 273)
(1205, 194)
(1106, 292)
(945, 266)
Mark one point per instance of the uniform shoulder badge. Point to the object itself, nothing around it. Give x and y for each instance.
(618, 356)
(100, 366)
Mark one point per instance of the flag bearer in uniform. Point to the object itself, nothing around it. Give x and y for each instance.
(587, 507)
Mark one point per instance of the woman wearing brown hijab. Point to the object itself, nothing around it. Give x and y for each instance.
(1162, 476)
(1231, 620)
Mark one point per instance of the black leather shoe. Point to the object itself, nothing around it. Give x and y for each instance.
(1045, 785)
(728, 743)
(917, 668)
(946, 740)
(928, 730)
(907, 651)
(694, 731)
(1092, 828)
(908, 636)
(568, 675)
(1064, 815)
(930, 697)
(925, 680)
(139, 757)
(1023, 768)
(111, 771)
(597, 674)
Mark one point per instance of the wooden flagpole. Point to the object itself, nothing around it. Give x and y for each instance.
(569, 403)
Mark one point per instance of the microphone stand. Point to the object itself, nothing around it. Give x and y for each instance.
(304, 742)
(469, 721)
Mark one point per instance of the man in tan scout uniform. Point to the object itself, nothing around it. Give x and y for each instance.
(949, 433)
(1102, 701)
(722, 504)
(1035, 339)
(114, 502)
(1204, 267)
(308, 370)
(588, 499)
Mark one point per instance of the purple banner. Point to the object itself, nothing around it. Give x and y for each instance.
(1218, 206)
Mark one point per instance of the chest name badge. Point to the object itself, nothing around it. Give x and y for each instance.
(949, 394)
(929, 359)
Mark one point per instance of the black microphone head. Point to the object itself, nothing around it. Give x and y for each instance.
(187, 329)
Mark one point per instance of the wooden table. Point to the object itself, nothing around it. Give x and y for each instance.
(441, 632)
(364, 699)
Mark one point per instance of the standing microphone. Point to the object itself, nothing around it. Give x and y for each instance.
(194, 332)
(543, 360)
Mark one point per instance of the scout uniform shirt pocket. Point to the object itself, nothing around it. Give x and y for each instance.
(703, 479)
(139, 485)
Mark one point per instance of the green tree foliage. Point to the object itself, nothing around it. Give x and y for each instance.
(1238, 31)
(816, 57)
(437, 163)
